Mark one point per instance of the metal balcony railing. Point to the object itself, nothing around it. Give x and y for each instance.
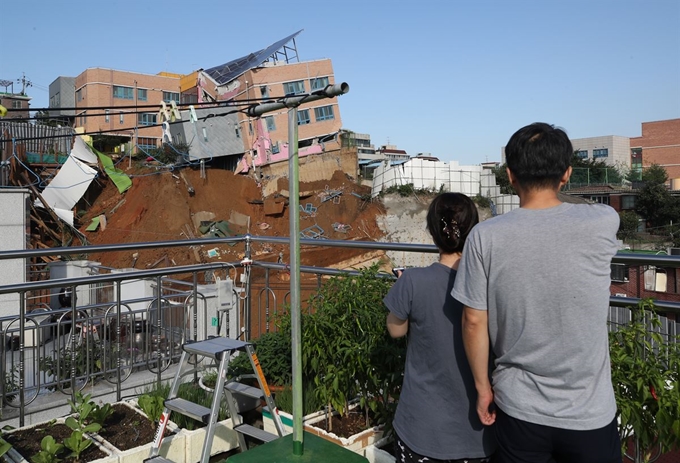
(115, 342)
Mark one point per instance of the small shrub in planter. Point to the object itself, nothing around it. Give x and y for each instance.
(347, 350)
(274, 353)
(189, 391)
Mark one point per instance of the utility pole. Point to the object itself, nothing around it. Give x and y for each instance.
(25, 83)
(292, 103)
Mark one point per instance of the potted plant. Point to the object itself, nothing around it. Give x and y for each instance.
(353, 365)
(646, 379)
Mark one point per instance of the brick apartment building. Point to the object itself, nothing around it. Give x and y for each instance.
(659, 144)
(266, 75)
(19, 103)
(109, 89)
(646, 282)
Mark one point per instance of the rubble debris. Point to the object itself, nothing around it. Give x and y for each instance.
(214, 252)
(309, 209)
(263, 225)
(313, 232)
(120, 203)
(341, 227)
(164, 258)
(202, 216)
(274, 206)
(190, 188)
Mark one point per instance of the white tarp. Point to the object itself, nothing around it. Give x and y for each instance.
(83, 152)
(67, 187)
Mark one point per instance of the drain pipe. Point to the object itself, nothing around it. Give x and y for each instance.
(292, 103)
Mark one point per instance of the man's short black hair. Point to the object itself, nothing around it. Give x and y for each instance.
(538, 155)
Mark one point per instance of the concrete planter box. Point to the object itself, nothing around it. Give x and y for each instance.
(356, 443)
(225, 439)
(172, 447)
(12, 456)
(374, 454)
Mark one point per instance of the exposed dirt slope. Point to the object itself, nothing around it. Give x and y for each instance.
(158, 207)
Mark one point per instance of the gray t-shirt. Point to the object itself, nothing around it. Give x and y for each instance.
(436, 414)
(544, 277)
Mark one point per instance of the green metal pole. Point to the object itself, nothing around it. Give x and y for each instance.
(296, 341)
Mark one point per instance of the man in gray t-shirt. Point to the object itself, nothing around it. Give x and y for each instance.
(535, 286)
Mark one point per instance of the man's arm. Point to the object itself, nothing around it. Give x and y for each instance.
(396, 326)
(476, 342)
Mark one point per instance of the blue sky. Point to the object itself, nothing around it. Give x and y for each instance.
(454, 78)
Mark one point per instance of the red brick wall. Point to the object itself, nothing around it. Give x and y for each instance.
(635, 286)
(660, 143)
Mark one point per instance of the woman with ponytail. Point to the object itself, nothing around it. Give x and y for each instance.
(436, 418)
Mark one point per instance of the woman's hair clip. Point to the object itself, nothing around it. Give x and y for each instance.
(451, 229)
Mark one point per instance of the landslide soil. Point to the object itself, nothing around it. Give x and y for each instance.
(159, 207)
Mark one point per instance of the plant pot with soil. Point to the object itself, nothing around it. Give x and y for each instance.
(54, 441)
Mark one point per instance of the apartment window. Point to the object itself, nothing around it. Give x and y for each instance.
(264, 90)
(655, 279)
(602, 199)
(619, 272)
(171, 96)
(319, 83)
(79, 94)
(628, 202)
(583, 154)
(271, 125)
(124, 93)
(141, 94)
(82, 118)
(146, 143)
(303, 117)
(106, 115)
(275, 148)
(16, 104)
(121, 117)
(600, 153)
(294, 88)
(324, 113)
(146, 119)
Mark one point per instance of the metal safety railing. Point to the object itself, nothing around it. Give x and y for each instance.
(114, 342)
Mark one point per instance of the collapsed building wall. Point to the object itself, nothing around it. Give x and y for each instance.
(312, 168)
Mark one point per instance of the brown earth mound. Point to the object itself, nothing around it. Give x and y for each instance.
(159, 207)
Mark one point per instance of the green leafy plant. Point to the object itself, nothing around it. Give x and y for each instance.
(274, 354)
(100, 413)
(645, 376)
(11, 383)
(82, 409)
(152, 402)
(49, 451)
(346, 348)
(310, 401)
(4, 446)
(77, 443)
(152, 405)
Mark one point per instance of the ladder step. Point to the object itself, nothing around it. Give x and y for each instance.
(244, 389)
(257, 433)
(157, 459)
(190, 409)
(214, 347)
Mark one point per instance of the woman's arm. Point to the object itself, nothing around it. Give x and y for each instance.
(396, 326)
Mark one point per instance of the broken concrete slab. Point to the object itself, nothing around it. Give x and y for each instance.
(274, 206)
(202, 216)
